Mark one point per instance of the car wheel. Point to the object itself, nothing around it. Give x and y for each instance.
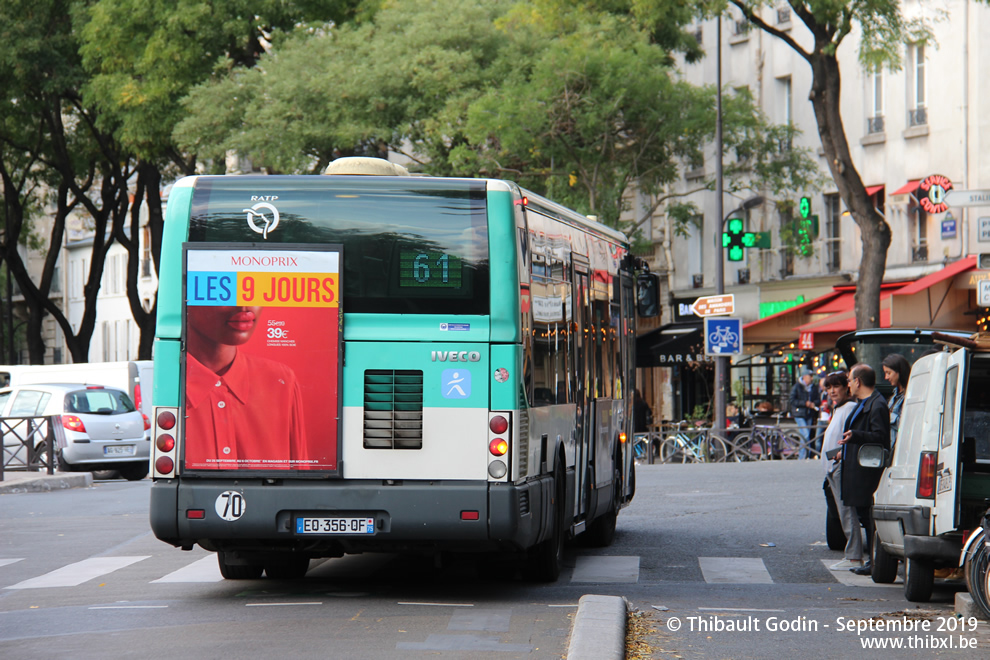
(884, 564)
(835, 536)
(238, 571)
(919, 579)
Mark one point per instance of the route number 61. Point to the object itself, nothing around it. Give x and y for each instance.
(230, 505)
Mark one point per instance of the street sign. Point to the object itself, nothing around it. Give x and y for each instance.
(983, 295)
(723, 337)
(714, 305)
(983, 235)
(806, 341)
(957, 198)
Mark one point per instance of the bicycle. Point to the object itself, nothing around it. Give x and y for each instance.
(693, 445)
(976, 566)
(646, 446)
(770, 442)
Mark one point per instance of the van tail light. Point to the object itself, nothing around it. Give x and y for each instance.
(73, 423)
(137, 398)
(926, 476)
(147, 421)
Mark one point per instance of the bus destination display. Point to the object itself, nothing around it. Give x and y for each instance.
(429, 269)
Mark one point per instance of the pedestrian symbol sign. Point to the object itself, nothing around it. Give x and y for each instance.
(455, 383)
(723, 336)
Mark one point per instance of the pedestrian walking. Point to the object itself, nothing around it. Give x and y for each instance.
(896, 371)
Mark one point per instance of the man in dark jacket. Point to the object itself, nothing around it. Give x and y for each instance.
(869, 424)
(805, 399)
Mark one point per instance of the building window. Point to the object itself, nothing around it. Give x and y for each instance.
(833, 220)
(875, 122)
(917, 98)
(146, 260)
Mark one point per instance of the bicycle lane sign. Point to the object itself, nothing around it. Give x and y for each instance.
(723, 336)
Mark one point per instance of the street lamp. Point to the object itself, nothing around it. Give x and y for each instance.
(722, 362)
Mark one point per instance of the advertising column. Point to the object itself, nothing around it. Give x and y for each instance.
(262, 337)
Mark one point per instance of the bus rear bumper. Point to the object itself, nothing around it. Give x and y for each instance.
(408, 515)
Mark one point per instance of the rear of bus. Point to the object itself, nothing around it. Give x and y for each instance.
(367, 366)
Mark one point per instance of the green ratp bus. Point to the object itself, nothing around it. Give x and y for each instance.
(353, 363)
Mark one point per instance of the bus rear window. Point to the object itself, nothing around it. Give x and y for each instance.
(410, 245)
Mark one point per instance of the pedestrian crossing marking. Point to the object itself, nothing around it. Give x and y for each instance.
(734, 570)
(8, 562)
(850, 579)
(201, 570)
(606, 569)
(75, 574)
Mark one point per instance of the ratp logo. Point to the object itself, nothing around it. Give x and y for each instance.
(455, 383)
(270, 222)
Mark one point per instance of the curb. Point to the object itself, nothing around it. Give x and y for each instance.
(599, 629)
(45, 483)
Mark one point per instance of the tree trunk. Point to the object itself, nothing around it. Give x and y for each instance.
(875, 231)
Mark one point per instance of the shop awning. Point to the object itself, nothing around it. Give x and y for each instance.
(908, 188)
(873, 190)
(953, 269)
(671, 345)
(841, 323)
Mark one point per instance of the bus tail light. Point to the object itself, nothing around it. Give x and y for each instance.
(165, 451)
(499, 443)
(926, 476)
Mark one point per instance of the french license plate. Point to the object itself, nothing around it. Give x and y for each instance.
(335, 525)
(118, 450)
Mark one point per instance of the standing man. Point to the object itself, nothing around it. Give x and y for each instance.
(869, 424)
(837, 384)
(804, 406)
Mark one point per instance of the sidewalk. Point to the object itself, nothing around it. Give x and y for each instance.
(36, 482)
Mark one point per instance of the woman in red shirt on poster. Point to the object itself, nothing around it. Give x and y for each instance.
(243, 411)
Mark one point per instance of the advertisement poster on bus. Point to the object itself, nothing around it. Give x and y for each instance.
(262, 368)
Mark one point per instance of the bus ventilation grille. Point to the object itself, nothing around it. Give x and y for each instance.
(523, 503)
(393, 409)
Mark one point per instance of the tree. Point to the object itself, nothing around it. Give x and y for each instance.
(141, 59)
(53, 159)
(883, 32)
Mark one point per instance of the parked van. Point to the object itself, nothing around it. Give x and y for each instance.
(129, 376)
(935, 487)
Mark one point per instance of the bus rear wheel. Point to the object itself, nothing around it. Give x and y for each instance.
(289, 567)
(546, 557)
(238, 571)
(602, 530)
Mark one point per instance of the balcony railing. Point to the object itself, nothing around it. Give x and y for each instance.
(783, 15)
(698, 280)
(918, 117)
(874, 124)
(919, 253)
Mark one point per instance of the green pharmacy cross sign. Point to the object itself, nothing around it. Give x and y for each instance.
(736, 239)
(806, 228)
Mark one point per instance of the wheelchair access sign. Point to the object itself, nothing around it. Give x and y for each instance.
(723, 336)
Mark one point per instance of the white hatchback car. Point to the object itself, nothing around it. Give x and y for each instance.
(100, 427)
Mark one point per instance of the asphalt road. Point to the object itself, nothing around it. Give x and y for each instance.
(703, 544)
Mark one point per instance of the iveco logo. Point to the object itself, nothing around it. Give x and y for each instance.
(269, 220)
(455, 356)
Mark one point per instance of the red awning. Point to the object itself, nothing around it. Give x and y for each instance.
(844, 325)
(907, 188)
(843, 303)
(873, 190)
(791, 310)
(953, 269)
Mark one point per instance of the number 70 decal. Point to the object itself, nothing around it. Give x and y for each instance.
(230, 505)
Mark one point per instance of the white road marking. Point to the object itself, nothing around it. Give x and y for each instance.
(850, 579)
(128, 607)
(8, 562)
(734, 570)
(606, 569)
(201, 570)
(75, 574)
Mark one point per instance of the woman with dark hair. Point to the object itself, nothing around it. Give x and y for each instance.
(896, 371)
